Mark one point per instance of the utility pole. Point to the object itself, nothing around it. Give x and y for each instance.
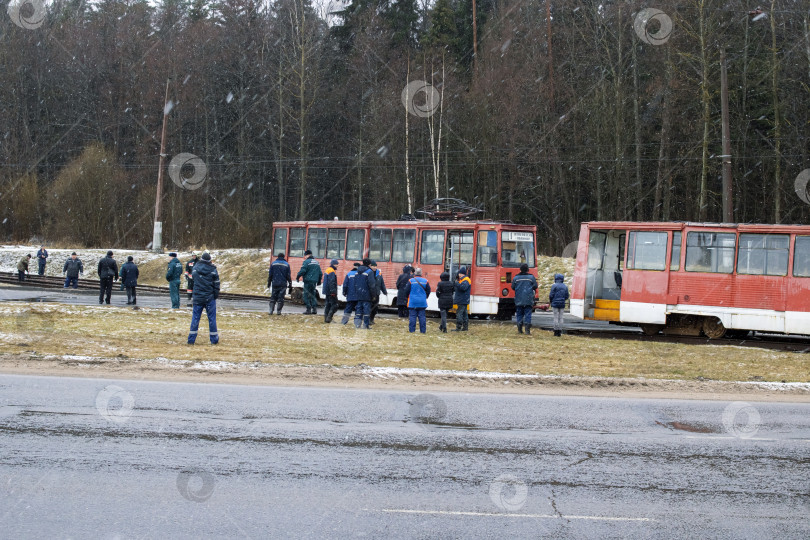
(475, 39)
(157, 232)
(728, 200)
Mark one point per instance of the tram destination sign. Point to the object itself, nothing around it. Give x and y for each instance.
(518, 237)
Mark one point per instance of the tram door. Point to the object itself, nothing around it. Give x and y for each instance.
(603, 288)
(459, 252)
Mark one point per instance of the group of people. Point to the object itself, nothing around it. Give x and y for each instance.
(363, 285)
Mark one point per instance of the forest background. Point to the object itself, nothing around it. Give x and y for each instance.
(548, 112)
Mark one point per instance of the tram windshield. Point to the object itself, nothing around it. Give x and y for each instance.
(517, 248)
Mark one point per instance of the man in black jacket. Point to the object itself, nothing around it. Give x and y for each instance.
(129, 278)
(402, 298)
(72, 269)
(375, 300)
(206, 292)
(107, 273)
(444, 293)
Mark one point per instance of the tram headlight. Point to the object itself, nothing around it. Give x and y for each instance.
(505, 292)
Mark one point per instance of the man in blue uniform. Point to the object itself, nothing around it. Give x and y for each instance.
(206, 292)
(42, 260)
(365, 287)
(418, 290)
(524, 284)
(556, 298)
(311, 272)
(350, 292)
(278, 279)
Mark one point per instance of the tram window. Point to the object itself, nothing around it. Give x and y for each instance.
(517, 248)
(317, 243)
(297, 242)
(801, 257)
(336, 243)
(379, 245)
(279, 241)
(432, 247)
(647, 251)
(355, 241)
(404, 243)
(675, 263)
(487, 248)
(710, 252)
(763, 254)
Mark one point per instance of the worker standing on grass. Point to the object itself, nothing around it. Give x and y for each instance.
(174, 272)
(22, 267)
(330, 290)
(189, 269)
(107, 274)
(365, 287)
(524, 284)
(380, 289)
(402, 298)
(418, 290)
(311, 272)
(72, 269)
(129, 279)
(278, 280)
(42, 259)
(461, 298)
(350, 292)
(557, 297)
(444, 293)
(206, 292)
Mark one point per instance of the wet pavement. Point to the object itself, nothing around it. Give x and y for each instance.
(134, 459)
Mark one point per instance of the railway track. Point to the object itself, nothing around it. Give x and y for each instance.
(763, 341)
(53, 282)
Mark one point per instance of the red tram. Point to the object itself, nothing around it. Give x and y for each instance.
(491, 251)
(692, 278)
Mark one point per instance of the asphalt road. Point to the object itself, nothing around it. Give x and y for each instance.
(132, 459)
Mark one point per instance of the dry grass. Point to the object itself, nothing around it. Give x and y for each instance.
(50, 329)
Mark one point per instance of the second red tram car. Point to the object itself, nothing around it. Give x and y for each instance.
(491, 251)
(692, 278)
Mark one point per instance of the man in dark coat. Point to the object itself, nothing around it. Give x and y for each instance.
(206, 292)
(311, 272)
(129, 278)
(22, 267)
(72, 269)
(279, 279)
(402, 298)
(330, 290)
(350, 293)
(375, 301)
(174, 271)
(556, 298)
(524, 284)
(365, 286)
(189, 269)
(461, 297)
(107, 274)
(444, 293)
(42, 259)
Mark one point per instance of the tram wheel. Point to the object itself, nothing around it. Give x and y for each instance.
(713, 328)
(651, 329)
